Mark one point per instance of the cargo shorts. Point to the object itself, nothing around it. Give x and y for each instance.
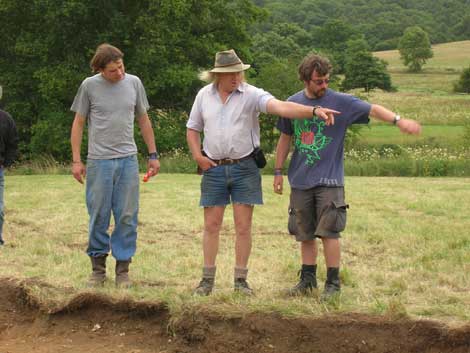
(319, 212)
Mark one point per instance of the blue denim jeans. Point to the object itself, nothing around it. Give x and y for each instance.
(2, 186)
(236, 183)
(112, 185)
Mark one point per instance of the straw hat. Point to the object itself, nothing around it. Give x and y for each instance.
(228, 61)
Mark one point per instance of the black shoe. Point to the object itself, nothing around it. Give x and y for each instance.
(241, 286)
(307, 283)
(332, 285)
(205, 287)
(331, 291)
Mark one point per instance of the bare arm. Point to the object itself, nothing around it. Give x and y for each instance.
(153, 165)
(282, 150)
(193, 138)
(78, 168)
(293, 110)
(406, 126)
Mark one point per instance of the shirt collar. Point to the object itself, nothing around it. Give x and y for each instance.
(240, 88)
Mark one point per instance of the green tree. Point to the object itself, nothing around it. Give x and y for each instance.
(278, 77)
(363, 70)
(332, 37)
(463, 84)
(415, 48)
(47, 45)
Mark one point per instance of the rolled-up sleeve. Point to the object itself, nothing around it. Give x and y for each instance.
(263, 98)
(195, 121)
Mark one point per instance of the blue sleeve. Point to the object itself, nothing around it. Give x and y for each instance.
(284, 125)
(358, 111)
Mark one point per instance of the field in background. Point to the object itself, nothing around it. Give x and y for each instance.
(405, 251)
(427, 96)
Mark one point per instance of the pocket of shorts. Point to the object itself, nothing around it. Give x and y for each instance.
(336, 216)
(292, 222)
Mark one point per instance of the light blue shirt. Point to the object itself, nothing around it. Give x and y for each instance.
(231, 129)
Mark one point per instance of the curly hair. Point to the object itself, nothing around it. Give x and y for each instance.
(311, 63)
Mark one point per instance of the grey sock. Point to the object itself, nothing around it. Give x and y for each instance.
(240, 272)
(208, 272)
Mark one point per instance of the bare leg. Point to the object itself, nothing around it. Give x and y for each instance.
(309, 252)
(213, 217)
(332, 251)
(243, 215)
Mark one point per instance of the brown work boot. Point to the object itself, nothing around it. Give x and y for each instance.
(98, 275)
(205, 287)
(122, 274)
(241, 286)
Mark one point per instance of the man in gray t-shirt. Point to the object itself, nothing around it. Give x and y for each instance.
(109, 102)
(316, 173)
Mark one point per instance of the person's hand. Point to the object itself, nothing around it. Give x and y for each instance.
(277, 184)
(326, 114)
(410, 127)
(78, 171)
(153, 167)
(205, 163)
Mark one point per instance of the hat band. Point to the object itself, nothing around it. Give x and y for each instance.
(231, 64)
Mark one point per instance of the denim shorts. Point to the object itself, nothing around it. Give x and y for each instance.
(232, 183)
(317, 212)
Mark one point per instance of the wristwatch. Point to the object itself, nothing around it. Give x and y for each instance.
(153, 156)
(315, 108)
(396, 119)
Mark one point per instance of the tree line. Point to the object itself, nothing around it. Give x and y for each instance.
(47, 45)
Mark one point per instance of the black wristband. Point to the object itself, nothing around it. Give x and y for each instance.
(153, 156)
(315, 108)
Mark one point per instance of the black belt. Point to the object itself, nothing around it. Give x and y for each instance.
(226, 161)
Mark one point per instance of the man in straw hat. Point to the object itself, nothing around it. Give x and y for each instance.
(226, 111)
(8, 151)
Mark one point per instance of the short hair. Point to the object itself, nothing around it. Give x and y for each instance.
(311, 63)
(104, 54)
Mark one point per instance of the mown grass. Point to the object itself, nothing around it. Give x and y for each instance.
(405, 251)
(427, 97)
(379, 134)
(447, 57)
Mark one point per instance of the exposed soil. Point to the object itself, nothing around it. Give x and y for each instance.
(95, 323)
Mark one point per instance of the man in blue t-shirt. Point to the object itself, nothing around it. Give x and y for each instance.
(316, 171)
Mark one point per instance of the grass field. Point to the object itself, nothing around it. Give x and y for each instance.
(405, 251)
(448, 57)
(426, 96)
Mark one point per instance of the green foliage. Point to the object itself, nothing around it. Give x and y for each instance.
(463, 85)
(381, 21)
(47, 45)
(415, 48)
(363, 70)
(466, 134)
(333, 36)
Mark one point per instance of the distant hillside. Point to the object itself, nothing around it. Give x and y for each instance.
(381, 21)
(448, 57)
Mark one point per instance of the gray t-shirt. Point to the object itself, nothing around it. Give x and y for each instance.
(318, 154)
(110, 109)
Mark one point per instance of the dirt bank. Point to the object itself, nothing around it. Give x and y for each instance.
(95, 323)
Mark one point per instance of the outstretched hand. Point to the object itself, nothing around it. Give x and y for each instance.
(410, 127)
(326, 114)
